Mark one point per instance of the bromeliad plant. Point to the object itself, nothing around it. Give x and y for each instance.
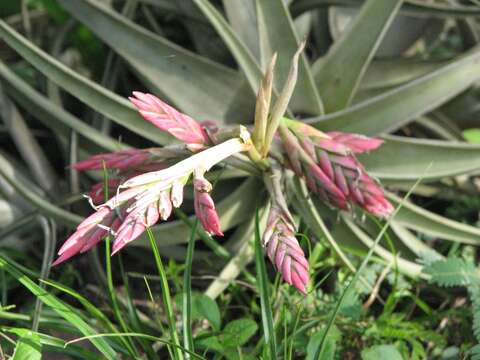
(335, 94)
(308, 163)
(147, 189)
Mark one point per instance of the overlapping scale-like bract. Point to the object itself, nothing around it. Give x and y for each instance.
(283, 249)
(332, 171)
(170, 120)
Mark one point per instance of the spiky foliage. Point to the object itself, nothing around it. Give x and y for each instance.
(206, 58)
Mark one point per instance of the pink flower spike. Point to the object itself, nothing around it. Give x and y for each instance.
(305, 129)
(121, 160)
(131, 229)
(142, 200)
(332, 146)
(167, 119)
(378, 205)
(205, 207)
(335, 174)
(135, 225)
(284, 250)
(355, 142)
(90, 231)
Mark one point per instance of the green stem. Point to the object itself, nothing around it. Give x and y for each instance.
(262, 282)
(218, 249)
(167, 299)
(111, 289)
(113, 297)
(187, 294)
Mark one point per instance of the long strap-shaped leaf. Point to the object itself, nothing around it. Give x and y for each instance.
(384, 73)
(243, 19)
(196, 85)
(277, 34)
(395, 108)
(310, 212)
(414, 7)
(65, 311)
(407, 267)
(409, 239)
(53, 116)
(55, 344)
(304, 205)
(353, 239)
(416, 218)
(15, 170)
(239, 50)
(175, 8)
(401, 158)
(338, 74)
(99, 98)
(36, 200)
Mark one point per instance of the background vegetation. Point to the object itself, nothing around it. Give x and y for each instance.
(403, 70)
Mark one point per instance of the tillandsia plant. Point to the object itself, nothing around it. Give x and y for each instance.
(308, 122)
(326, 161)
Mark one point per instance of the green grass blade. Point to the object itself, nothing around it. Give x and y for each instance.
(167, 299)
(54, 344)
(208, 240)
(108, 270)
(267, 318)
(135, 321)
(89, 307)
(339, 73)
(113, 298)
(187, 293)
(29, 347)
(64, 310)
(157, 315)
(140, 335)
